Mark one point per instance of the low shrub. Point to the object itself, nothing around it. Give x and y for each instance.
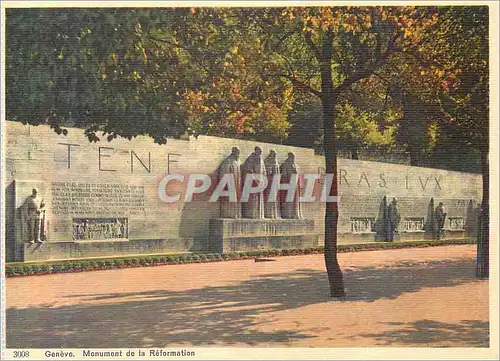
(84, 265)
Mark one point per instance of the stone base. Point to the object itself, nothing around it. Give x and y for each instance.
(350, 238)
(455, 233)
(240, 235)
(88, 249)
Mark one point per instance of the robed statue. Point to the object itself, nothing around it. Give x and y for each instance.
(271, 207)
(253, 167)
(394, 219)
(440, 215)
(290, 208)
(230, 208)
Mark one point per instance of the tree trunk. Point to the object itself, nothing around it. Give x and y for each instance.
(483, 267)
(414, 157)
(328, 100)
(355, 154)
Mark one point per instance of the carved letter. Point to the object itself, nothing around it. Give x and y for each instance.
(382, 184)
(344, 175)
(69, 152)
(422, 184)
(406, 182)
(437, 179)
(171, 161)
(132, 154)
(105, 156)
(363, 176)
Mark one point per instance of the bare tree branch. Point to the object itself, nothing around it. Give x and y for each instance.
(370, 68)
(313, 46)
(301, 85)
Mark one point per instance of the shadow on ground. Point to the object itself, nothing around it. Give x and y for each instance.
(228, 314)
(428, 332)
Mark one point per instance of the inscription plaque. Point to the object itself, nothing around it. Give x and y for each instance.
(456, 223)
(89, 199)
(413, 224)
(362, 224)
(99, 228)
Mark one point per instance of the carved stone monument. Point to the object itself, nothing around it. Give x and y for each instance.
(110, 199)
(253, 166)
(290, 209)
(253, 231)
(271, 209)
(231, 166)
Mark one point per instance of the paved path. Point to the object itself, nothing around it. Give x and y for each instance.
(405, 297)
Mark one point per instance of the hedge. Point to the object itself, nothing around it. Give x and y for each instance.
(49, 267)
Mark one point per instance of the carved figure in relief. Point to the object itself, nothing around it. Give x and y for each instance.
(231, 166)
(290, 172)
(359, 225)
(33, 216)
(394, 218)
(271, 209)
(440, 219)
(254, 164)
(456, 222)
(118, 229)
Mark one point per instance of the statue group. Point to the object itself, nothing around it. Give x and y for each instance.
(391, 218)
(259, 206)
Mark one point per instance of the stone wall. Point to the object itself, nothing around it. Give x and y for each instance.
(110, 183)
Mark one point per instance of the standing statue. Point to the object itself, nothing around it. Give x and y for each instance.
(440, 219)
(271, 209)
(254, 207)
(394, 219)
(34, 217)
(289, 170)
(231, 165)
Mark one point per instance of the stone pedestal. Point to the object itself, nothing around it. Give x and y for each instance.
(55, 251)
(240, 235)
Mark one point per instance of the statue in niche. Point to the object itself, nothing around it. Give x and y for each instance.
(254, 207)
(34, 218)
(231, 165)
(271, 209)
(394, 219)
(289, 170)
(440, 219)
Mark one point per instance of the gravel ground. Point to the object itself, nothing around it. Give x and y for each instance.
(416, 297)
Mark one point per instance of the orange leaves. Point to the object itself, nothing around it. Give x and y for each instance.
(315, 21)
(439, 73)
